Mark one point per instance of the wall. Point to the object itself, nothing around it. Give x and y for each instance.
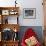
(39, 13)
(28, 22)
(7, 3)
(27, 4)
(44, 22)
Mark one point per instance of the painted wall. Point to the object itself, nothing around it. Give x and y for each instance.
(27, 4)
(39, 13)
(28, 22)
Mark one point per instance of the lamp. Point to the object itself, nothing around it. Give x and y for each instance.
(15, 3)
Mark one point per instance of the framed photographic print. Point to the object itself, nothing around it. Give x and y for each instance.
(5, 12)
(29, 13)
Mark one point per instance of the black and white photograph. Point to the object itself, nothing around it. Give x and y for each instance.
(29, 13)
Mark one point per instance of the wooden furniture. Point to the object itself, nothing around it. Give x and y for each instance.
(10, 43)
(9, 23)
(0, 43)
(45, 37)
(44, 9)
(6, 12)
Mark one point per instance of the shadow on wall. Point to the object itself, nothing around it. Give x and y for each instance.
(37, 29)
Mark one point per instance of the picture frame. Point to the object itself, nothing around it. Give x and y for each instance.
(5, 12)
(29, 13)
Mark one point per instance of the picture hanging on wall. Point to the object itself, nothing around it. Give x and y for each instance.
(29, 13)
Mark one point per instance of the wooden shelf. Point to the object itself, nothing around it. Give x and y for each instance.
(4, 13)
(11, 26)
(9, 43)
(9, 9)
(5, 8)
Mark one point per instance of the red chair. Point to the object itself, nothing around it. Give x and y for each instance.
(29, 33)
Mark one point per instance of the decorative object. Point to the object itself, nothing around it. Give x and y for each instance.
(5, 12)
(29, 13)
(13, 12)
(31, 41)
(7, 34)
(15, 3)
(6, 21)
